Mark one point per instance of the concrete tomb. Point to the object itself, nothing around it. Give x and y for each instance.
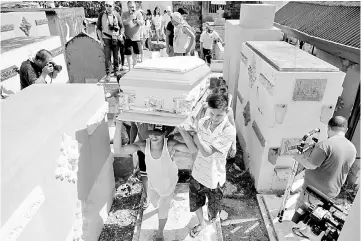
(57, 177)
(16, 50)
(85, 59)
(240, 31)
(25, 24)
(63, 22)
(283, 92)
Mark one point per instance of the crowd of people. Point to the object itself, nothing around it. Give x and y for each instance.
(125, 34)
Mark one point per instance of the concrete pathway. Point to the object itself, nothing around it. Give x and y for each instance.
(180, 221)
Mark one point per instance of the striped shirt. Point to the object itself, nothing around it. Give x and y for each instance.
(211, 171)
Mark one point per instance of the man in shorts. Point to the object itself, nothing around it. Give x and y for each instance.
(213, 137)
(132, 21)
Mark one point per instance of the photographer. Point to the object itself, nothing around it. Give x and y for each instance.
(329, 165)
(109, 27)
(35, 70)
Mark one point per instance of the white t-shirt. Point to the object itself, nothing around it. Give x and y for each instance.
(208, 39)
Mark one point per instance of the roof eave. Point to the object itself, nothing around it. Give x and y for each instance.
(340, 50)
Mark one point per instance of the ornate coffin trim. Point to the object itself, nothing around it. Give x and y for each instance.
(244, 59)
(57, 51)
(67, 166)
(258, 133)
(268, 85)
(97, 118)
(309, 89)
(7, 27)
(41, 21)
(9, 72)
(21, 217)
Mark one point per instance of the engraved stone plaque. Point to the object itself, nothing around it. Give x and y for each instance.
(288, 146)
(258, 133)
(267, 84)
(252, 72)
(247, 114)
(309, 89)
(41, 22)
(7, 27)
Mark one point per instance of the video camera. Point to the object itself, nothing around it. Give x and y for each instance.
(326, 217)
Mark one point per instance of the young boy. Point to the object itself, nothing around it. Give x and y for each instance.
(213, 138)
(161, 169)
(142, 130)
(207, 39)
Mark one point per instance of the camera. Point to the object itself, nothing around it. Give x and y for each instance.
(113, 27)
(326, 217)
(55, 66)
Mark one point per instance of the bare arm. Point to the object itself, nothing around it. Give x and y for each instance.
(119, 149)
(188, 140)
(191, 35)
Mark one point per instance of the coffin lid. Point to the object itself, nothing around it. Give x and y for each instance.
(285, 57)
(178, 73)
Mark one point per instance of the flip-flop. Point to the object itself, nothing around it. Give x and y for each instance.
(195, 231)
(298, 232)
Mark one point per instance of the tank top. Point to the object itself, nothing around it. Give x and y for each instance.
(163, 172)
(181, 40)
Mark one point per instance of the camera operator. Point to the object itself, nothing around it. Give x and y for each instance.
(109, 31)
(329, 164)
(35, 71)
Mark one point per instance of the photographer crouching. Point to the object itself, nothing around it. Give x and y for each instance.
(36, 70)
(328, 167)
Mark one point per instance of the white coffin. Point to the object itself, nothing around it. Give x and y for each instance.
(167, 81)
(289, 92)
(16, 50)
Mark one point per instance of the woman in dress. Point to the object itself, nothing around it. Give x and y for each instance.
(157, 22)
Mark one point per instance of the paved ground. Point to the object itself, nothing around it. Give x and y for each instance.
(180, 221)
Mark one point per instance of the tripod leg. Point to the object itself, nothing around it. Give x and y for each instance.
(287, 191)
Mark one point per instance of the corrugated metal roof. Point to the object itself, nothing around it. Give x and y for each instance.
(340, 24)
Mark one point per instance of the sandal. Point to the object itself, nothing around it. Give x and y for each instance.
(196, 230)
(298, 232)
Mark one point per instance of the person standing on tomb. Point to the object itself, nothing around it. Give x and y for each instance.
(207, 39)
(184, 37)
(161, 169)
(35, 70)
(170, 33)
(328, 167)
(132, 20)
(109, 31)
(213, 137)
